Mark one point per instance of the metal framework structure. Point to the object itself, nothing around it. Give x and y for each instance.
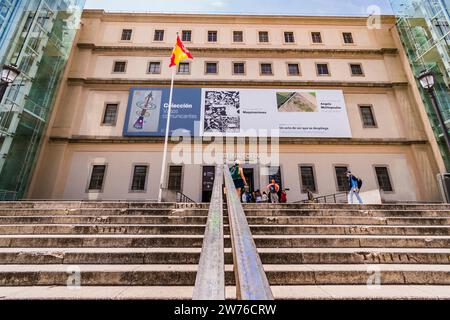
(37, 36)
(424, 28)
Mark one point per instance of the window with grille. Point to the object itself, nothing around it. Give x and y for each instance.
(348, 37)
(316, 37)
(356, 69)
(263, 36)
(110, 114)
(289, 37)
(175, 178)
(322, 69)
(212, 36)
(293, 69)
(186, 35)
(154, 67)
(120, 66)
(341, 178)
(367, 116)
(126, 34)
(159, 35)
(266, 68)
(97, 177)
(308, 179)
(238, 36)
(183, 67)
(211, 68)
(384, 181)
(139, 178)
(238, 68)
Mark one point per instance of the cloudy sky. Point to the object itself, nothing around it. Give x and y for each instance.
(306, 7)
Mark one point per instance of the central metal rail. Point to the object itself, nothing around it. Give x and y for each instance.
(210, 281)
(251, 280)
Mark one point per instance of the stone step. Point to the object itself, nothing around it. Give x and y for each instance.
(199, 229)
(72, 219)
(196, 241)
(78, 256)
(322, 292)
(204, 212)
(184, 275)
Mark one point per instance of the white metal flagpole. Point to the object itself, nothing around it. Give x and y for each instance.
(166, 141)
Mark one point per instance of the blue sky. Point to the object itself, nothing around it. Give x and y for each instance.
(306, 7)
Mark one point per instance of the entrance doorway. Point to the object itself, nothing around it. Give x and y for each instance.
(208, 176)
(249, 174)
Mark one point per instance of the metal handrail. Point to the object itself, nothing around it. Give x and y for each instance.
(332, 196)
(251, 280)
(210, 281)
(182, 198)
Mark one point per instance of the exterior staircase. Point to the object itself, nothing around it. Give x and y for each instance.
(122, 250)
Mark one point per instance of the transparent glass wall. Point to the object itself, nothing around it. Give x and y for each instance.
(424, 27)
(40, 35)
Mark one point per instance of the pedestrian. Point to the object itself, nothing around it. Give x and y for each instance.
(237, 173)
(273, 189)
(258, 196)
(264, 197)
(354, 185)
(283, 198)
(310, 196)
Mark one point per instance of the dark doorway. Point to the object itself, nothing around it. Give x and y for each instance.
(208, 182)
(249, 174)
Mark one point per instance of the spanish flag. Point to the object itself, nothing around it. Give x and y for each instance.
(179, 53)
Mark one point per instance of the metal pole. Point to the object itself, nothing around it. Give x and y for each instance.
(3, 87)
(440, 117)
(166, 141)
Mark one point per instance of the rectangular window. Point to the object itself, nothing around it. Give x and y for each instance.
(348, 37)
(384, 181)
(97, 177)
(322, 69)
(238, 68)
(211, 68)
(186, 35)
(238, 36)
(293, 69)
(289, 37)
(154, 67)
(316, 37)
(356, 69)
(110, 114)
(266, 68)
(308, 179)
(139, 178)
(120, 66)
(212, 36)
(159, 35)
(183, 68)
(263, 36)
(126, 34)
(175, 177)
(367, 116)
(341, 178)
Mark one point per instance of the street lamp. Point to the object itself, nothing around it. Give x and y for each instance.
(427, 81)
(9, 74)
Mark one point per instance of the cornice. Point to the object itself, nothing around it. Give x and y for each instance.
(232, 83)
(230, 18)
(282, 141)
(248, 51)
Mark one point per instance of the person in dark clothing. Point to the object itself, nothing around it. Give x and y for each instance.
(237, 173)
(354, 188)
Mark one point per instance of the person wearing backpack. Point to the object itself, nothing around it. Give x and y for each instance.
(237, 174)
(354, 185)
(273, 188)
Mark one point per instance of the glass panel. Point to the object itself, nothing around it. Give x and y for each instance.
(384, 181)
(308, 179)
(97, 177)
(139, 178)
(341, 178)
(175, 177)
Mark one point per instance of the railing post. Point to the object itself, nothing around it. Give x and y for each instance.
(251, 280)
(210, 281)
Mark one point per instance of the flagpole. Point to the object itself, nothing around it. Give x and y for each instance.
(166, 141)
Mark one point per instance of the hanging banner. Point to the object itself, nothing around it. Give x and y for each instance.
(239, 113)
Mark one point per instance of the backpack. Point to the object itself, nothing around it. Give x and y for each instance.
(360, 183)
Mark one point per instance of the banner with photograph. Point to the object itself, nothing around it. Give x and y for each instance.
(238, 112)
(294, 113)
